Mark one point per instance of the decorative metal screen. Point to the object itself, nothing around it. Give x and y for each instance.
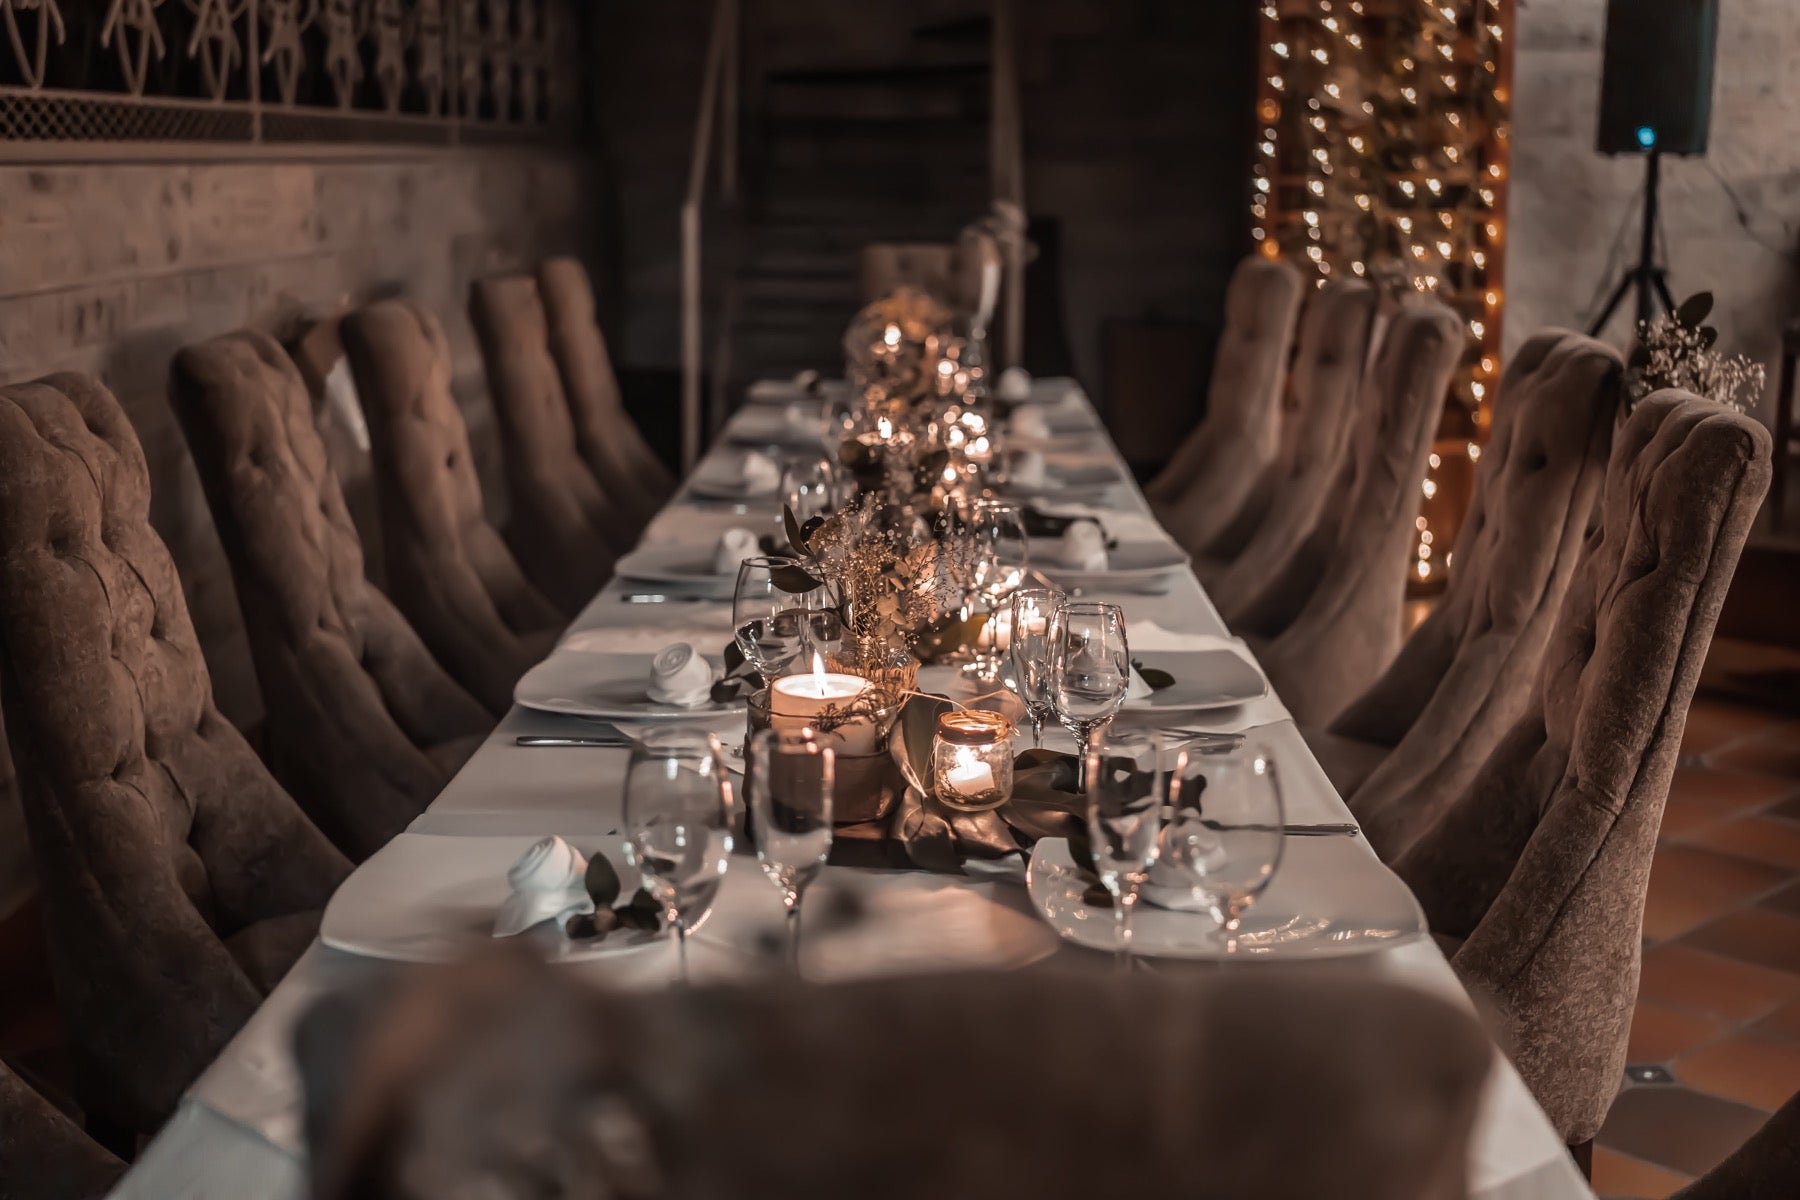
(429, 72)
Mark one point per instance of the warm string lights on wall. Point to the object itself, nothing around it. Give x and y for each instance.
(1382, 152)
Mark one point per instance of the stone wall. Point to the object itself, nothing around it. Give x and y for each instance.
(1568, 202)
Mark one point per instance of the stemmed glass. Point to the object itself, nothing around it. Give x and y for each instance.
(791, 780)
(771, 624)
(1002, 552)
(1031, 611)
(1127, 785)
(809, 487)
(1225, 834)
(678, 824)
(1090, 669)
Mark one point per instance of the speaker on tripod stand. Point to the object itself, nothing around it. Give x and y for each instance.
(1655, 99)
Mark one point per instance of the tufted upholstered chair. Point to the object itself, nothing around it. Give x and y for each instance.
(1465, 676)
(1540, 867)
(696, 1092)
(447, 568)
(179, 882)
(1767, 1167)
(1318, 413)
(559, 518)
(950, 271)
(1208, 496)
(43, 1156)
(365, 727)
(636, 480)
(1334, 610)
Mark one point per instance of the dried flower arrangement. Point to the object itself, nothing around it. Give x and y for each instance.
(893, 347)
(1676, 351)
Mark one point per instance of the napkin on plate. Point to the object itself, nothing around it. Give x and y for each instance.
(1027, 469)
(735, 545)
(758, 473)
(1028, 425)
(680, 677)
(549, 883)
(1136, 688)
(1083, 547)
(1014, 384)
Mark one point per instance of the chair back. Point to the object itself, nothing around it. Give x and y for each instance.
(43, 1156)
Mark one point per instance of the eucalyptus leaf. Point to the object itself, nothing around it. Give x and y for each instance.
(1709, 336)
(734, 657)
(911, 748)
(794, 580)
(602, 881)
(795, 536)
(927, 837)
(1694, 309)
(643, 914)
(587, 926)
(1157, 679)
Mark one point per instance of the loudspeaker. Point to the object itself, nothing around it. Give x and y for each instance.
(1657, 81)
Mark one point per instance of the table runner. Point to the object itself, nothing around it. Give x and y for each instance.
(237, 1133)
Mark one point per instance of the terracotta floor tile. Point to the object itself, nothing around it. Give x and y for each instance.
(1677, 1127)
(1774, 751)
(1750, 1070)
(1621, 1177)
(1764, 839)
(1753, 935)
(1679, 976)
(1660, 1034)
(1784, 1022)
(1701, 796)
(1690, 886)
(1715, 724)
(1787, 900)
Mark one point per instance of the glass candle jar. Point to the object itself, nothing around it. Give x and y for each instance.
(971, 760)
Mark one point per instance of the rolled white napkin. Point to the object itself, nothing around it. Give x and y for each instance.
(758, 473)
(1028, 425)
(680, 677)
(1137, 689)
(1083, 547)
(1026, 469)
(549, 883)
(735, 545)
(1014, 384)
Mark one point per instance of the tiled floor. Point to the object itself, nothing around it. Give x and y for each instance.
(1719, 1003)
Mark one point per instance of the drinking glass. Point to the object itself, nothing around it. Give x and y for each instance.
(790, 779)
(1224, 837)
(1090, 669)
(772, 625)
(809, 487)
(1032, 609)
(999, 568)
(1127, 786)
(678, 824)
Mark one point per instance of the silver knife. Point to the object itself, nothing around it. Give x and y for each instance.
(618, 742)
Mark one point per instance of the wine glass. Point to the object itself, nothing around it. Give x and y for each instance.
(809, 487)
(1224, 838)
(1090, 668)
(999, 567)
(1127, 785)
(678, 824)
(790, 779)
(772, 625)
(1031, 610)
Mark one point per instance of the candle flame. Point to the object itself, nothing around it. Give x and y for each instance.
(884, 427)
(819, 672)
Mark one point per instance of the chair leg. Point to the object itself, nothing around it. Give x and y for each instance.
(1583, 1154)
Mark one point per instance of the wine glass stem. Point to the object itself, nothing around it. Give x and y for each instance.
(1037, 732)
(793, 934)
(1123, 903)
(1086, 743)
(681, 950)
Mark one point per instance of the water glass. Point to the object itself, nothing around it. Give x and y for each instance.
(1031, 610)
(1090, 668)
(809, 487)
(772, 625)
(678, 824)
(790, 778)
(1225, 836)
(1127, 787)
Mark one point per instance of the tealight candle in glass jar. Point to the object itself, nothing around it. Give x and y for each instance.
(971, 760)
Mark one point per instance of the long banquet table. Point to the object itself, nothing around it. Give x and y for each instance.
(237, 1134)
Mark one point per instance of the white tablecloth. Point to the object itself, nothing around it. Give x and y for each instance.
(237, 1134)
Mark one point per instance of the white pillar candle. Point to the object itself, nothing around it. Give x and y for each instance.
(797, 702)
(969, 775)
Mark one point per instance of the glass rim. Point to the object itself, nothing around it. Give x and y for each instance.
(796, 742)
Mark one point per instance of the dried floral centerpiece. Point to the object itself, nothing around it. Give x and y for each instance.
(1676, 351)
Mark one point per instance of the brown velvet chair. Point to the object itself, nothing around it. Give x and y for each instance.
(1209, 497)
(1767, 1167)
(364, 727)
(1318, 415)
(607, 437)
(1465, 676)
(514, 1081)
(179, 882)
(1331, 615)
(950, 271)
(559, 518)
(447, 568)
(43, 1156)
(1538, 871)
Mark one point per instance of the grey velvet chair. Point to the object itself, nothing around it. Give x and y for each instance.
(179, 882)
(43, 1156)
(1538, 871)
(364, 727)
(560, 522)
(447, 568)
(1208, 496)
(508, 1081)
(609, 440)
(1465, 675)
(1319, 414)
(1328, 620)
(1767, 1167)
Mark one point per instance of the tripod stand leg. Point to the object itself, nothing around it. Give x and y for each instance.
(1661, 279)
(1612, 304)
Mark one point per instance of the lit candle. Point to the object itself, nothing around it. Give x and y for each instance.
(996, 631)
(798, 702)
(968, 776)
(971, 760)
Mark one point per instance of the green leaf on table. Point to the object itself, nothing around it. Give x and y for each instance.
(1694, 309)
(602, 881)
(910, 743)
(795, 535)
(795, 580)
(643, 913)
(734, 657)
(1157, 679)
(588, 926)
(1709, 336)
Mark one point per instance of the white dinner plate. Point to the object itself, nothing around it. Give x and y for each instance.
(426, 898)
(797, 427)
(674, 562)
(787, 391)
(1330, 898)
(1128, 564)
(1203, 679)
(614, 687)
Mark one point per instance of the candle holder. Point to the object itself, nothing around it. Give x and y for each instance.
(971, 760)
(867, 783)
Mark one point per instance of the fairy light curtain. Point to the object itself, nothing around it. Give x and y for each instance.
(1382, 152)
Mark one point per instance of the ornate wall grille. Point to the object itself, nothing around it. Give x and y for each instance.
(284, 72)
